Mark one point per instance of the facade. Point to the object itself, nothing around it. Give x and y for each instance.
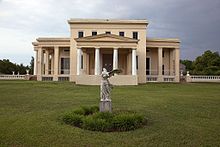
(107, 43)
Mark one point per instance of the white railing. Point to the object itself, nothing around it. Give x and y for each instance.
(151, 78)
(203, 78)
(12, 77)
(154, 78)
(169, 79)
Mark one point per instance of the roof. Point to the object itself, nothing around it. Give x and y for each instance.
(107, 21)
(110, 38)
(53, 39)
(174, 40)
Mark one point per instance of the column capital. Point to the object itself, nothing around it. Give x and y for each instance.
(97, 47)
(36, 48)
(115, 48)
(56, 47)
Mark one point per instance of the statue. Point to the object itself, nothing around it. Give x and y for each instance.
(105, 89)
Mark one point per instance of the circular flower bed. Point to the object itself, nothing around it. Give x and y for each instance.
(91, 119)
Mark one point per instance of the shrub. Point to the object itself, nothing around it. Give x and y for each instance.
(73, 119)
(90, 110)
(97, 124)
(127, 121)
(103, 115)
(89, 118)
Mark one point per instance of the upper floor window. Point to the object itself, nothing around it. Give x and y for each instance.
(163, 53)
(122, 34)
(107, 32)
(80, 34)
(135, 35)
(94, 33)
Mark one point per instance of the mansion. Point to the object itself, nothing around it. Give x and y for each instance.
(95, 44)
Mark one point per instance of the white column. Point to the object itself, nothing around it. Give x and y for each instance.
(39, 63)
(35, 63)
(97, 61)
(56, 63)
(160, 64)
(52, 63)
(160, 60)
(39, 70)
(78, 64)
(177, 66)
(134, 64)
(115, 58)
(46, 62)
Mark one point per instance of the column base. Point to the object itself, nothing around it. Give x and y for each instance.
(39, 78)
(105, 106)
(160, 78)
(55, 78)
(177, 79)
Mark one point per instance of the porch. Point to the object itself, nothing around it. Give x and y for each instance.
(106, 51)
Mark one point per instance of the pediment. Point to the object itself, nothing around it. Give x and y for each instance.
(106, 38)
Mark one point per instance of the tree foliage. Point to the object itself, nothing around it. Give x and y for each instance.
(7, 67)
(206, 64)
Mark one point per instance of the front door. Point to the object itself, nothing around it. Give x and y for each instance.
(107, 61)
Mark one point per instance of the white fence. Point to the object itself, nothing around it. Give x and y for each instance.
(12, 77)
(202, 78)
(164, 78)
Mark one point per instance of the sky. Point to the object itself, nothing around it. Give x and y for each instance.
(195, 22)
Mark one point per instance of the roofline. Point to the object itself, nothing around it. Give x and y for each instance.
(176, 40)
(107, 21)
(83, 39)
(43, 39)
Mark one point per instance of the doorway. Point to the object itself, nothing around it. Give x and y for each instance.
(147, 66)
(107, 61)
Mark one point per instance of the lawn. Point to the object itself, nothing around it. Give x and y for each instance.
(178, 114)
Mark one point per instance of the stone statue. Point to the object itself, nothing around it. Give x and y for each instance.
(105, 89)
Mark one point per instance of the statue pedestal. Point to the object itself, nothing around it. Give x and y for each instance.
(105, 106)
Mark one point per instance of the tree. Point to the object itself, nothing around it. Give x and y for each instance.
(32, 65)
(188, 64)
(207, 64)
(7, 67)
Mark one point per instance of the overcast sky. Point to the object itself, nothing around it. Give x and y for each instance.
(195, 22)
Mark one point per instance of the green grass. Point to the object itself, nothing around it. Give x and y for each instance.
(178, 114)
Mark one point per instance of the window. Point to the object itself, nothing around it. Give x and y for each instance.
(136, 62)
(163, 70)
(81, 62)
(80, 34)
(122, 34)
(163, 53)
(65, 65)
(66, 50)
(94, 33)
(135, 35)
(107, 32)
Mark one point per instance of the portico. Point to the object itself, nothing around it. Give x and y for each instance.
(162, 58)
(106, 51)
(50, 53)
